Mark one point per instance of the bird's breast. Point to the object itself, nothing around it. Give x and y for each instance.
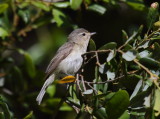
(72, 63)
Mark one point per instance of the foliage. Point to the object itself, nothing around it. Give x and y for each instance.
(123, 79)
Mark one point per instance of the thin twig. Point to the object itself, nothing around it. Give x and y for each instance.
(98, 63)
(82, 80)
(73, 106)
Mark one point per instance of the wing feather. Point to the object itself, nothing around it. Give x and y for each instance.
(62, 53)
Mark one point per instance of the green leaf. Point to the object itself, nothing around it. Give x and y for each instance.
(59, 16)
(25, 15)
(41, 5)
(87, 92)
(116, 106)
(129, 55)
(62, 4)
(3, 33)
(111, 45)
(29, 116)
(97, 8)
(101, 113)
(3, 7)
(150, 62)
(137, 5)
(2, 115)
(138, 100)
(65, 107)
(92, 45)
(136, 90)
(5, 109)
(29, 65)
(157, 102)
(125, 115)
(51, 90)
(130, 81)
(75, 4)
(152, 17)
(111, 55)
(124, 36)
(110, 75)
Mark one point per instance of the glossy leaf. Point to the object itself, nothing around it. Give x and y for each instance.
(89, 91)
(62, 4)
(110, 55)
(119, 103)
(110, 75)
(101, 113)
(41, 5)
(129, 55)
(150, 62)
(111, 45)
(97, 8)
(92, 45)
(59, 16)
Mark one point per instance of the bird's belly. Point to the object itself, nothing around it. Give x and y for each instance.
(71, 64)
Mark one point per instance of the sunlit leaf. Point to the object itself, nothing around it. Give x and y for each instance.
(3, 33)
(41, 5)
(97, 8)
(137, 88)
(62, 4)
(157, 102)
(89, 91)
(51, 90)
(59, 16)
(75, 4)
(144, 53)
(29, 116)
(110, 55)
(137, 5)
(111, 75)
(3, 7)
(129, 55)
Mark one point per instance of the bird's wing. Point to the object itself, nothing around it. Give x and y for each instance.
(62, 53)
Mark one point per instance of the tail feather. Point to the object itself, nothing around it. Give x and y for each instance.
(43, 90)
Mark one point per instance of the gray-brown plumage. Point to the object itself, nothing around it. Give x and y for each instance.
(67, 60)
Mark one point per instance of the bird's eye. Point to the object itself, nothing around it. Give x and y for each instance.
(83, 34)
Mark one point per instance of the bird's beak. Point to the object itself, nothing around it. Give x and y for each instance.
(92, 33)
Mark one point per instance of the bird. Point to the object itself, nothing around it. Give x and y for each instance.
(67, 60)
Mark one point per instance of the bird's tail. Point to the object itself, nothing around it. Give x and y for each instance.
(43, 90)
